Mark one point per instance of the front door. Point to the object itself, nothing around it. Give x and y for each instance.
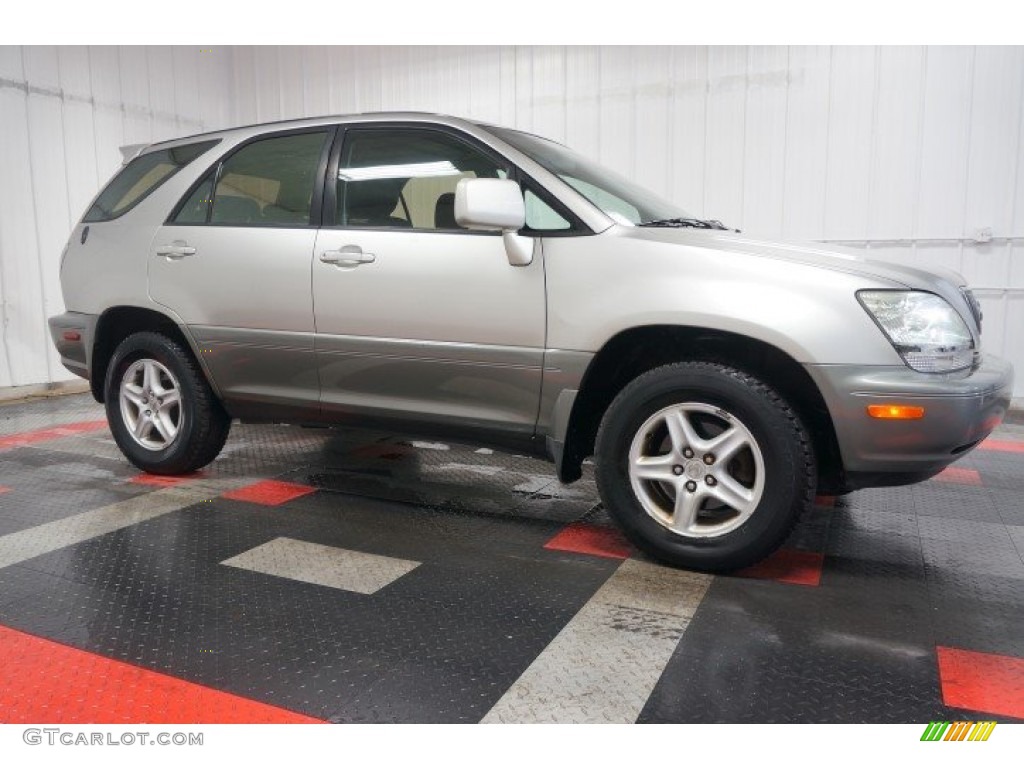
(418, 319)
(234, 263)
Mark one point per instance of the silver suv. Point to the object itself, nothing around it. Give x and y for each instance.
(430, 275)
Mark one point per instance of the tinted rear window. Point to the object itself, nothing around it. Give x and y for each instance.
(140, 177)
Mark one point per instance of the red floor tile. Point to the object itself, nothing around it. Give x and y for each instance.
(589, 539)
(959, 475)
(269, 492)
(1009, 446)
(789, 566)
(19, 439)
(45, 682)
(982, 682)
(163, 481)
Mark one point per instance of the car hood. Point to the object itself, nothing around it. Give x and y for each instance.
(943, 282)
(832, 257)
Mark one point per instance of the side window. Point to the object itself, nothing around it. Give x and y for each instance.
(196, 208)
(140, 177)
(405, 178)
(542, 217)
(267, 182)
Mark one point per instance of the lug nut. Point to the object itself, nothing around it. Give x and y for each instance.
(709, 459)
(677, 470)
(710, 480)
(687, 453)
(691, 486)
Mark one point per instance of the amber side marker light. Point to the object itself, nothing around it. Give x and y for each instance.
(905, 412)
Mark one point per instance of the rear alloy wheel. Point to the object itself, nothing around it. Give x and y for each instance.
(162, 413)
(151, 404)
(704, 466)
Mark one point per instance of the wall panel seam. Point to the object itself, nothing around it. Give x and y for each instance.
(35, 216)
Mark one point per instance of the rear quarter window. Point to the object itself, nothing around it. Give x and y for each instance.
(140, 177)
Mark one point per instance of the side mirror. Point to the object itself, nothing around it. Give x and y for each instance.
(489, 204)
(495, 205)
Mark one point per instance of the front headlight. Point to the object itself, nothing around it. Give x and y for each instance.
(927, 332)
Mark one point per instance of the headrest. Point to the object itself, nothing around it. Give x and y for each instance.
(371, 202)
(229, 209)
(444, 212)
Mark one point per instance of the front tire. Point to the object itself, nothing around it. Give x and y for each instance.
(704, 466)
(162, 413)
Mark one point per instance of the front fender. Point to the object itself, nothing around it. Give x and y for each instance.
(602, 285)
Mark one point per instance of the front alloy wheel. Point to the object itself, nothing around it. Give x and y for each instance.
(704, 466)
(696, 469)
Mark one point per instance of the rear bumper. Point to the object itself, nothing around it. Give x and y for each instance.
(72, 335)
(961, 409)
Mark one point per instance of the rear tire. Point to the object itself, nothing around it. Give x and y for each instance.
(704, 466)
(162, 413)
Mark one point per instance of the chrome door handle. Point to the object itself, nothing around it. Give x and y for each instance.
(175, 250)
(347, 256)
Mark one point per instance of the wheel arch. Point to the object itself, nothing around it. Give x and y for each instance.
(118, 323)
(637, 350)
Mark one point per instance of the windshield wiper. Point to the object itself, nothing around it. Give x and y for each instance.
(685, 222)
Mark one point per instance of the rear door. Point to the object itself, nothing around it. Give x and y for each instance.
(234, 262)
(417, 318)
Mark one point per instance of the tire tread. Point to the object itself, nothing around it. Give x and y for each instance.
(804, 460)
(211, 423)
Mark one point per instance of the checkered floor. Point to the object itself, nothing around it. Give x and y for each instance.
(319, 575)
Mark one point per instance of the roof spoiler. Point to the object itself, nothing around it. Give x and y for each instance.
(130, 151)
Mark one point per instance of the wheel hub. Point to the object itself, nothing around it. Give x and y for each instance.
(695, 470)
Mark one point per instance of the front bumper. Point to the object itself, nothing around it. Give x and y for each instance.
(73, 334)
(961, 409)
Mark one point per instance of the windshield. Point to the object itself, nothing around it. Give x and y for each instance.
(619, 198)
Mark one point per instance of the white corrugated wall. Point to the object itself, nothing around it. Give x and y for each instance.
(64, 113)
(911, 152)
